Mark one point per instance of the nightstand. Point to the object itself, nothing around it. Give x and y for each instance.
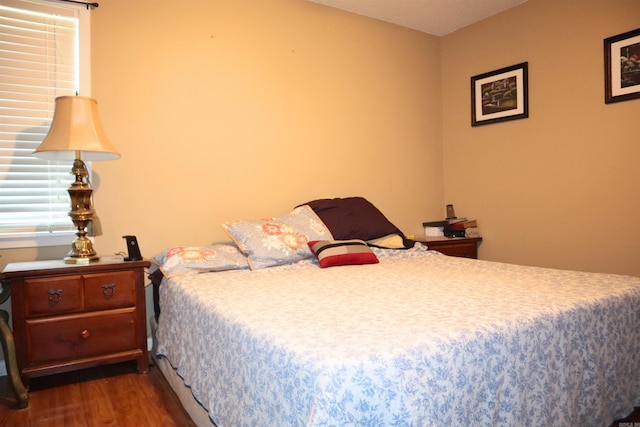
(466, 247)
(68, 317)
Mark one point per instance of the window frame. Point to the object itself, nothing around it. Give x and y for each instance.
(56, 238)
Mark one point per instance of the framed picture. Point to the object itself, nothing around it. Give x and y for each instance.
(500, 95)
(622, 67)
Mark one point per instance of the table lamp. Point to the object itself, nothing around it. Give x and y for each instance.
(76, 134)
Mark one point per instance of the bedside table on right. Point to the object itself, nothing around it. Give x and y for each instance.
(466, 247)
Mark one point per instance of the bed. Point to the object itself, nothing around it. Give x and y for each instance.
(348, 327)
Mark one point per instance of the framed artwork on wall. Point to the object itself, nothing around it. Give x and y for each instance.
(622, 67)
(500, 95)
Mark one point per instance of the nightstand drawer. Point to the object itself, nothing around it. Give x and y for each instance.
(465, 251)
(52, 296)
(109, 290)
(74, 337)
(466, 247)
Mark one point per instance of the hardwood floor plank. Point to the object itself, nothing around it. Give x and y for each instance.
(114, 395)
(98, 410)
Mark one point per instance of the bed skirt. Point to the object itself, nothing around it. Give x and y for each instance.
(199, 415)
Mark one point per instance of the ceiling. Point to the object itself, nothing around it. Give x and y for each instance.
(437, 17)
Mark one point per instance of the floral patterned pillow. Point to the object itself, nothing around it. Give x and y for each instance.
(193, 259)
(277, 241)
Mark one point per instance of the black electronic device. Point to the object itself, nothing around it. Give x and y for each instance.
(132, 248)
(451, 213)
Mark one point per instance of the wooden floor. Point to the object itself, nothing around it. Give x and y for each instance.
(114, 395)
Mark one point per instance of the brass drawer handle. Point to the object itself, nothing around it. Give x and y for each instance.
(109, 290)
(84, 334)
(55, 295)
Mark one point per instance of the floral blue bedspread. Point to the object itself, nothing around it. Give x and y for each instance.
(420, 339)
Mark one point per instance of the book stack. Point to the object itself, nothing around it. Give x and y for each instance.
(456, 227)
(462, 228)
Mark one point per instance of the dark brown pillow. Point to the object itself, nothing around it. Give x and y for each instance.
(354, 218)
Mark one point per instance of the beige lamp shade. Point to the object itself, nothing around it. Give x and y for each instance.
(76, 128)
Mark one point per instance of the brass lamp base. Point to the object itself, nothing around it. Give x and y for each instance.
(80, 261)
(81, 252)
(81, 214)
(81, 249)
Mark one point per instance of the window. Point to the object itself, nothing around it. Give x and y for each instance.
(44, 52)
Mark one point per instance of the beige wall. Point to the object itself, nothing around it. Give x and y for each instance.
(227, 110)
(561, 188)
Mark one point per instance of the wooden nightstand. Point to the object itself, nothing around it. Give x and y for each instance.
(68, 317)
(466, 247)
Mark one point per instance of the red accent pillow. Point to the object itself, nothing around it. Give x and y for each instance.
(342, 252)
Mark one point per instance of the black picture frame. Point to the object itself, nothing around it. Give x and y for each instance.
(622, 67)
(500, 95)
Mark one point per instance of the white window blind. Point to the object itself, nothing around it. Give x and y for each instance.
(39, 54)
